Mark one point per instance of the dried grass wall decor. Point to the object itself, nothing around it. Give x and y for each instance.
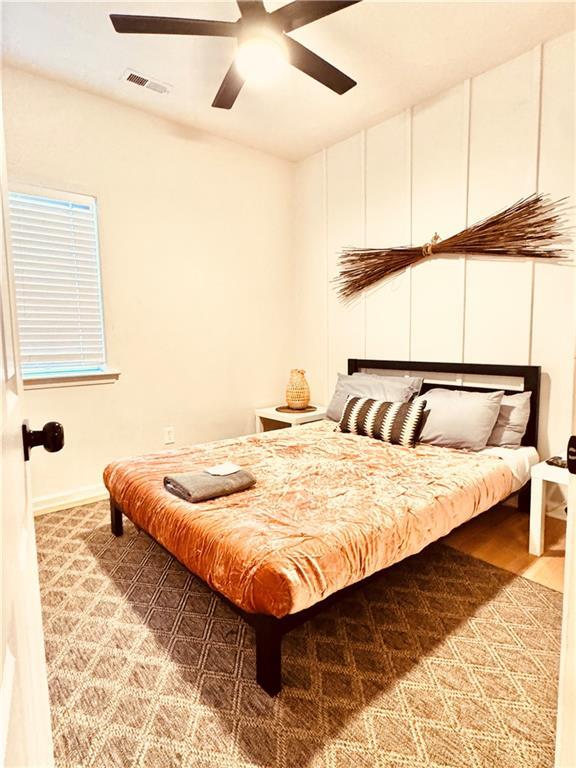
(534, 227)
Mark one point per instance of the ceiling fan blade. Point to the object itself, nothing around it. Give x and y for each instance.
(306, 61)
(301, 12)
(229, 88)
(165, 25)
(250, 7)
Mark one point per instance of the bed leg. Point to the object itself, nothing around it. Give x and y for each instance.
(115, 519)
(268, 654)
(524, 498)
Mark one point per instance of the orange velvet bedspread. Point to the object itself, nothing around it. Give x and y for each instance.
(327, 510)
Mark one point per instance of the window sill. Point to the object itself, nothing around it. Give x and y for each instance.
(72, 380)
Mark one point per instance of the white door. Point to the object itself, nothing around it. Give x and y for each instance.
(566, 729)
(26, 738)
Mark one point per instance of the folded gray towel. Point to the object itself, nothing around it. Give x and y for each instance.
(202, 486)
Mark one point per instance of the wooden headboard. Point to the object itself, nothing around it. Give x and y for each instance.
(470, 377)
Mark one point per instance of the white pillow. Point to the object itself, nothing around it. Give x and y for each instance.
(388, 388)
(512, 421)
(414, 382)
(459, 419)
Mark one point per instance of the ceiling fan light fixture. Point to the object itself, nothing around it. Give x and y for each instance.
(261, 59)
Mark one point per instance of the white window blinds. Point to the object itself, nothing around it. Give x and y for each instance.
(57, 283)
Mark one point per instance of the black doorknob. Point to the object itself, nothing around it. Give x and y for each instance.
(51, 436)
(572, 455)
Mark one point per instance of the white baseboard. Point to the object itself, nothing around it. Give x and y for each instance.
(43, 504)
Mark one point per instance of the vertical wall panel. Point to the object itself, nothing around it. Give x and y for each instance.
(554, 295)
(388, 223)
(498, 307)
(345, 208)
(439, 177)
(557, 155)
(504, 135)
(503, 168)
(309, 274)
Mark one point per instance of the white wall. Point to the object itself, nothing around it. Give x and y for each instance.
(440, 166)
(195, 237)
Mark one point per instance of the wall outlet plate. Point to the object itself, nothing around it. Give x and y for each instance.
(169, 435)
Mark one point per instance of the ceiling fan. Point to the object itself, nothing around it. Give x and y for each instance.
(255, 27)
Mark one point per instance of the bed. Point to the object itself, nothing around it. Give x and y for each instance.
(329, 509)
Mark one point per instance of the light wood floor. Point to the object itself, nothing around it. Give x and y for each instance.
(500, 537)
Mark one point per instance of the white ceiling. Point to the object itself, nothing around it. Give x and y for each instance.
(400, 54)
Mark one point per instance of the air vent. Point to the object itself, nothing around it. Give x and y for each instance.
(153, 85)
(132, 78)
(145, 82)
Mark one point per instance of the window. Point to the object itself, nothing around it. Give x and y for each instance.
(56, 263)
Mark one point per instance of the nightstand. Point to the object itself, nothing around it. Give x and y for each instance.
(266, 415)
(542, 473)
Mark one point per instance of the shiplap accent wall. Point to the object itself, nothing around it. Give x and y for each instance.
(438, 167)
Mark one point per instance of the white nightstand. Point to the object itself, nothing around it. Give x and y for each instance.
(542, 473)
(289, 419)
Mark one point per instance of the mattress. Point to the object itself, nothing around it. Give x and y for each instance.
(327, 510)
(520, 460)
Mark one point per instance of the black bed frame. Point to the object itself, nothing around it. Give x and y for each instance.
(268, 629)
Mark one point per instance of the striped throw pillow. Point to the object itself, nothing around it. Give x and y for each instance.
(397, 423)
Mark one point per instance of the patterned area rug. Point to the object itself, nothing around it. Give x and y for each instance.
(443, 660)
